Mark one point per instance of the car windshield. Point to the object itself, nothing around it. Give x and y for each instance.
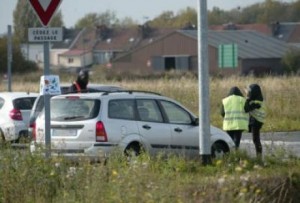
(74, 108)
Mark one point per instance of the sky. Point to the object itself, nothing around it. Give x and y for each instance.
(138, 10)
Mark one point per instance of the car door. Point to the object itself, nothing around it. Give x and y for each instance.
(184, 133)
(154, 132)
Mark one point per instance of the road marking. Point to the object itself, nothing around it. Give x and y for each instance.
(269, 142)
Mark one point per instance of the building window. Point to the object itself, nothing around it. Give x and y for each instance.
(167, 63)
(70, 60)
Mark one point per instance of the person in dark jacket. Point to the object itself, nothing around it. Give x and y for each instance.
(256, 108)
(80, 85)
(235, 118)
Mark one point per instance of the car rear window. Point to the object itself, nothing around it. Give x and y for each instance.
(24, 103)
(74, 109)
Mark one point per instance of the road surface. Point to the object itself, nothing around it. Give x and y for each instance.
(275, 143)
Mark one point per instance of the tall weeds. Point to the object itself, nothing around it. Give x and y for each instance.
(281, 94)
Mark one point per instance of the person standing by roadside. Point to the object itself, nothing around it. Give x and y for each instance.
(235, 119)
(256, 108)
(80, 85)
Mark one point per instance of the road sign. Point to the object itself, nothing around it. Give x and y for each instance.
(45, 34)
(45, 9)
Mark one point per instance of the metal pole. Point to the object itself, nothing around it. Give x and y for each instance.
(47, 101)
(9, 57)
(204, 122)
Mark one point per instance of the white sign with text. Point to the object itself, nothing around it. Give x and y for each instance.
(45, 34)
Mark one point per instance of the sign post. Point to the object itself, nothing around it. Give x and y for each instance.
(45, 10)
(9, 58)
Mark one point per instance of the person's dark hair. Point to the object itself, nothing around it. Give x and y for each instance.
(83, 78)
(83, 75)
(235, 91)
(254, 92)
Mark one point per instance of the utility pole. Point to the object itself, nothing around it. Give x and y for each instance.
(9, 57)
(203, 79)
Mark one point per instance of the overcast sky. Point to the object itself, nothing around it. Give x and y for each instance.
(138, 10)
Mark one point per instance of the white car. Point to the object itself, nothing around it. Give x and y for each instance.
(94, 124)
(15, 109)
(38, 105)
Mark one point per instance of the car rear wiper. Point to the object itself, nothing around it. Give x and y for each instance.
(73, 117)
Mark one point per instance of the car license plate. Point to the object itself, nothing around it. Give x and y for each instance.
(64, 132)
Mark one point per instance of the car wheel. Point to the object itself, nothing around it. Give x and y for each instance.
(219, 149)
(134, 149)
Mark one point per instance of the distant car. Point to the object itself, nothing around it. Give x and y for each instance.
(38, 105)
(94, 124)
(15, 108)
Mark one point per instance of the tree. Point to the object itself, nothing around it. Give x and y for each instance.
(250, 14)
(87, 21)
(291, 61)
(273, 11)
(24, 17)
(19, 64)
(217, 16)
(186, 17)
(165, 19)
(107, 18)
(128, 22)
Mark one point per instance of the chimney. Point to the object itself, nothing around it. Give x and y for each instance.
(103, 32)
(275, 28)
(145, 30)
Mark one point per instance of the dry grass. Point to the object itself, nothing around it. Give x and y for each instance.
(282, 94)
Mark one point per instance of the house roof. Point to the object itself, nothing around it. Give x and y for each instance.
(69, 38)
(251, 44)
(262, 28)
(74, 52)
(129, 38)
(120, 40)
(288, 31)
(86, 39)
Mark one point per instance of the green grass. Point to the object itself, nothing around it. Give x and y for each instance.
(236, 178)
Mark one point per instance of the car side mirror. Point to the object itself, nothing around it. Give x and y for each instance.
(195, 122)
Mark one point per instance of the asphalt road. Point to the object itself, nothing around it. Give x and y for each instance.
(275, 143)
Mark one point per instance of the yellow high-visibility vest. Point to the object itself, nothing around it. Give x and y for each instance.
(235, 116)
(260, 113)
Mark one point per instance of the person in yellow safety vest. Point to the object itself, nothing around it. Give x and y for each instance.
(256, 108)
(235, 119)
(80, 85)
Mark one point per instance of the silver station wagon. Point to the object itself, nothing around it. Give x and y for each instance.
(95, 124)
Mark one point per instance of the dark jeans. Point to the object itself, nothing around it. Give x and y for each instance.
(256, 139)
(235, 136)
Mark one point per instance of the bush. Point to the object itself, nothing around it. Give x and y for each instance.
(291, 61)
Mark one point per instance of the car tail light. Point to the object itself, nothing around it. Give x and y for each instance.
(16, 114)
(100, 132)
(33, 133)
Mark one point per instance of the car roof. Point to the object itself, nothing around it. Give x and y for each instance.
(123, 94)
(116, 94)
(14, 95)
